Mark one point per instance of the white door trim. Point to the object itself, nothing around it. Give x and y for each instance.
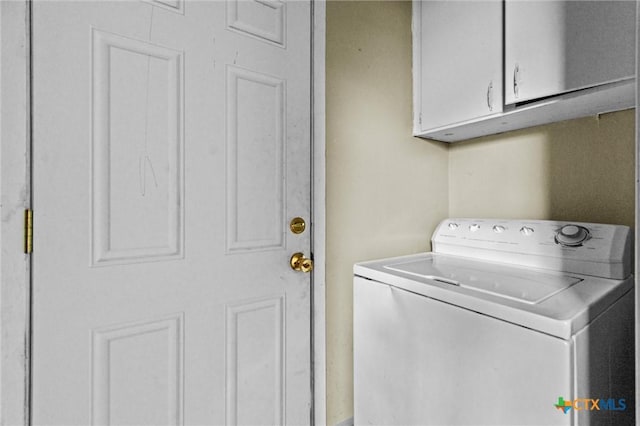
(637, 210)
(14, 191)
(318, 208)
(15, 197)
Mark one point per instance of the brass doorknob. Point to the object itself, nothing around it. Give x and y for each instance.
(300, 263)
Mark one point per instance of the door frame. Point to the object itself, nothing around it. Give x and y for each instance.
(637, 216)
(15, 196)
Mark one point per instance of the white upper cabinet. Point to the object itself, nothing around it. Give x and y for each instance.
(553, 47)
(458, 69)
(485, 67)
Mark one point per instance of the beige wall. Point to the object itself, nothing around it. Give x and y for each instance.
(581, 170)
(386, 190)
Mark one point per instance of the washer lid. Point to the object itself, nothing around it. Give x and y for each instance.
(503, 281)
(555, 303)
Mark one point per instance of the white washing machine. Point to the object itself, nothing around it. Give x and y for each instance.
(505, 323)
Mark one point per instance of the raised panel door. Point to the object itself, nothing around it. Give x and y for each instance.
(171, 148)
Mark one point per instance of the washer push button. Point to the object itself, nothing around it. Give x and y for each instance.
(526, 231)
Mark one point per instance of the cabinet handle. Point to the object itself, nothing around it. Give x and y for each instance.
(516, 78)
(490, 96)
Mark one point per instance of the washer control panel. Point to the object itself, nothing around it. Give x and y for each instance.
(575, 246)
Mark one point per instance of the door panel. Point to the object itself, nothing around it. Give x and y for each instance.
(248, 404)
(255, 168)
(137, 145)
(171, 149)
(131, 383)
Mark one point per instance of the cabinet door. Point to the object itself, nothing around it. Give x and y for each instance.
(552, 47)
(458, 61)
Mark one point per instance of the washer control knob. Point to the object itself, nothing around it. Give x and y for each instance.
(570, 230)
(453, 226)
(526, 231)
(474, 227)
(572, 235)
(498, 229)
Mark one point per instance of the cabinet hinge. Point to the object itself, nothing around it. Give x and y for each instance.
(28, 231)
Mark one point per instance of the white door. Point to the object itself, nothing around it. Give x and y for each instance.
(459, 58)
(171, 151)
(553, 47)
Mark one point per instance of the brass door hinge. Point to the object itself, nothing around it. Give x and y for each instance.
(28, 231)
